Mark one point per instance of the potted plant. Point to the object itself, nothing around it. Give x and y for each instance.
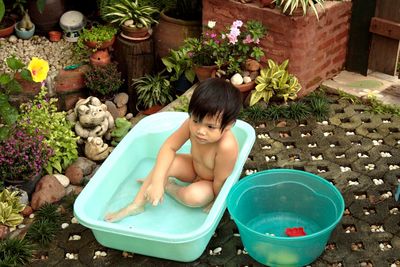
(299, 7)
(228, 50)
(23, 158)
(179, 65)
(153, 92)
(134, 19)
(179, 20)
(103, 80)
(25, 28)
(6, 23)
(275, 81)
(97, 37)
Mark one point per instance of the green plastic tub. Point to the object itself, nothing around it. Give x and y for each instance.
(282, 199)
(170, 230)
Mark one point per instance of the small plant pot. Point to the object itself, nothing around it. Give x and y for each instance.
(151, 110)
(7, 27)
(101, 45)
(100, 58)
(24, 34)
(135, 33)
(55, 36)
(205, 72)
(245, 87)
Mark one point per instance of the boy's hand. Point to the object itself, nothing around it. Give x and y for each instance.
(154, 194)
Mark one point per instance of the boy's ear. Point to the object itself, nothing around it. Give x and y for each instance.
(229, 126)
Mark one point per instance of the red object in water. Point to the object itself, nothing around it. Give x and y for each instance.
(295, 231)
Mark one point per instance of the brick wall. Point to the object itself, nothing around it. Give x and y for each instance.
(316, 49)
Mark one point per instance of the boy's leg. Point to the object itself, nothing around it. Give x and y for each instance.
(197, 194)
(137, 205)
(181, 167)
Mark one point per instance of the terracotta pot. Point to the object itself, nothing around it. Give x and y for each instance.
(55, 36)
(134, 32)
(205, 72)
(100, 58)
(7, 27)
(245, 87)
(47, 20)
(102, 45)
(170, 33)
(151, 110)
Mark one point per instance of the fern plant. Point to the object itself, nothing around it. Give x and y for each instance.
(153, 90)
(288, 6)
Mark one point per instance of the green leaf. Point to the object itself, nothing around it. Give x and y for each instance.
(2, 9)
(26, 75)
(14, 63)
(4, 78)
(40, 4)
(14, 87)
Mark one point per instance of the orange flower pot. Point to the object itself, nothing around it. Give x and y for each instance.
(55, 36)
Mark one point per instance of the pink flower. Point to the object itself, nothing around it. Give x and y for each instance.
(257, 41)
(237, 23)
(232, 38)
(234, 32)
(248, 39)
(213, 35)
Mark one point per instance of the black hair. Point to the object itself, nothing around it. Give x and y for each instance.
(216, 96)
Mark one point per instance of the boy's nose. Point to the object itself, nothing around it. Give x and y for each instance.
(200, 131)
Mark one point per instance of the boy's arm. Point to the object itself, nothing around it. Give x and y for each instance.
(224, 163)
(164, 160)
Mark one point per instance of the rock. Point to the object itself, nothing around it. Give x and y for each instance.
(252, 65)
(112, 108)
(254, 74)
(48, 190)
(122, 111)
(121, 99)
(129, 116)
(13, 39)
(237, 79)
(73, 189)
(96, 149)
(86, 165)
(4, 231)
(246, 79)
(75, 174)
(62, 179)
(27, 211)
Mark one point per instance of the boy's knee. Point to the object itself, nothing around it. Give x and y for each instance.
(197, 198)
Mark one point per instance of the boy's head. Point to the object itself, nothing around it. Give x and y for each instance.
(216, 97)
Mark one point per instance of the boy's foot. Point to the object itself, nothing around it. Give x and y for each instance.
(130, 210)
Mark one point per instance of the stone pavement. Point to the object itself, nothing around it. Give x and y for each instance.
(355, 150)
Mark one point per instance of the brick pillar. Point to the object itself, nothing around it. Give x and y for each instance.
(316, 49)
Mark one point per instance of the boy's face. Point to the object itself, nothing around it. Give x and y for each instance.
(208, 130)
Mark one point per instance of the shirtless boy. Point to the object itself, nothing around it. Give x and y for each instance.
(213, 109)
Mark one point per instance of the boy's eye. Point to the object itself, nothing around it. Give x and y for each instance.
(211, 127)
(195, 120)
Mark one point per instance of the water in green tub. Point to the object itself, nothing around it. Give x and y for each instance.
(162, 218)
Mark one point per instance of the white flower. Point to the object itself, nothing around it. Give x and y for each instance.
(211, 24)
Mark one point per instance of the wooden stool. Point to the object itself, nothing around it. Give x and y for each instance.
(135, 59)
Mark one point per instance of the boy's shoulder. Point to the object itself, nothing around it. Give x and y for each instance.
(228, 142)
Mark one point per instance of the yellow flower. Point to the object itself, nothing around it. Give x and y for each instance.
(39, 69)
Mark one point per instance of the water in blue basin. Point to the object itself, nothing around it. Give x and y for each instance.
(276, 223)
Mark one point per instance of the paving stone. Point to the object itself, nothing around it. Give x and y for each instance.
(363, 138)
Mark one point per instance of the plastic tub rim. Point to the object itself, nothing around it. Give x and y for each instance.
(103, 226)
(284, 238)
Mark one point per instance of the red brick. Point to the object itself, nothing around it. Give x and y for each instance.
(70, 80)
